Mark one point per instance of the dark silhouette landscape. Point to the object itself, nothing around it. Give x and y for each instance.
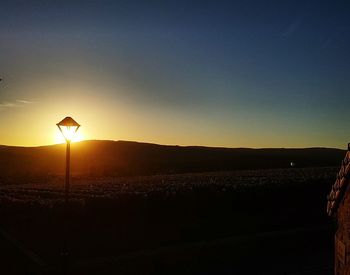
(118, 158)
(153, 209)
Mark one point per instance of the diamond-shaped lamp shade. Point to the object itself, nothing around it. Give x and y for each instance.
(68, 127)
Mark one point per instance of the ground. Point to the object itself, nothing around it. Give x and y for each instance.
(242, 222)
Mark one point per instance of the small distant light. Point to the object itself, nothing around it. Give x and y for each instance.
(292, 164)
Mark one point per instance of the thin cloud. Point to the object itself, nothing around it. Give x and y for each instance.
(16, 103)
(7, 104)
(24, 101)
(292, 27)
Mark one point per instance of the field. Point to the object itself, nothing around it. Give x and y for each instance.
(241, 222)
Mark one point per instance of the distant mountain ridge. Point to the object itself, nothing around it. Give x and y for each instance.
(112, 158)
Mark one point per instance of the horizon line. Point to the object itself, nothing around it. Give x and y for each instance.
(174, 145)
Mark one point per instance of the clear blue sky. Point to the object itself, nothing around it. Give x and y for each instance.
(217, 73)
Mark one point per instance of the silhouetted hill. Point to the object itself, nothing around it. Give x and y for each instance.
(107, 158)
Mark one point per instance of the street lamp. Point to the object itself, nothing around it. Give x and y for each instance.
(68, 127)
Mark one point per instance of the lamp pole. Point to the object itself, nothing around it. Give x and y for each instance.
(67, 187)
(68, 127)
(64, 253)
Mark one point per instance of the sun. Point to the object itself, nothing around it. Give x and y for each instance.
(78, 136)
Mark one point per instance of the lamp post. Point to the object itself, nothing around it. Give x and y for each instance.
(68, 127)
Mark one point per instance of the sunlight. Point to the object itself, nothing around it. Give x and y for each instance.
(78, 136)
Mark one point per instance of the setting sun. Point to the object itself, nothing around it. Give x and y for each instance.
(78, 136)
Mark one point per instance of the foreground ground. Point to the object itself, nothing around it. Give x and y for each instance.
(248, 222)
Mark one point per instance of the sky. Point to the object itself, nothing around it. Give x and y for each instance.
(214, 73)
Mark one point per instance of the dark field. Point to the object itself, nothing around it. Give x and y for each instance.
(241, 222)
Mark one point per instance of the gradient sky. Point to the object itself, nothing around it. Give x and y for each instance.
(216, 73)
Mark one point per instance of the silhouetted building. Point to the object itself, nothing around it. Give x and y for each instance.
(339, 207)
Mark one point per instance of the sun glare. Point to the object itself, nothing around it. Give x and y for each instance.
(69, 133)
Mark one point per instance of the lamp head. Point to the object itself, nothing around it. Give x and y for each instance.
(68, 127)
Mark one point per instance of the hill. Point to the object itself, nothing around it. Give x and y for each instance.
(111, 158)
